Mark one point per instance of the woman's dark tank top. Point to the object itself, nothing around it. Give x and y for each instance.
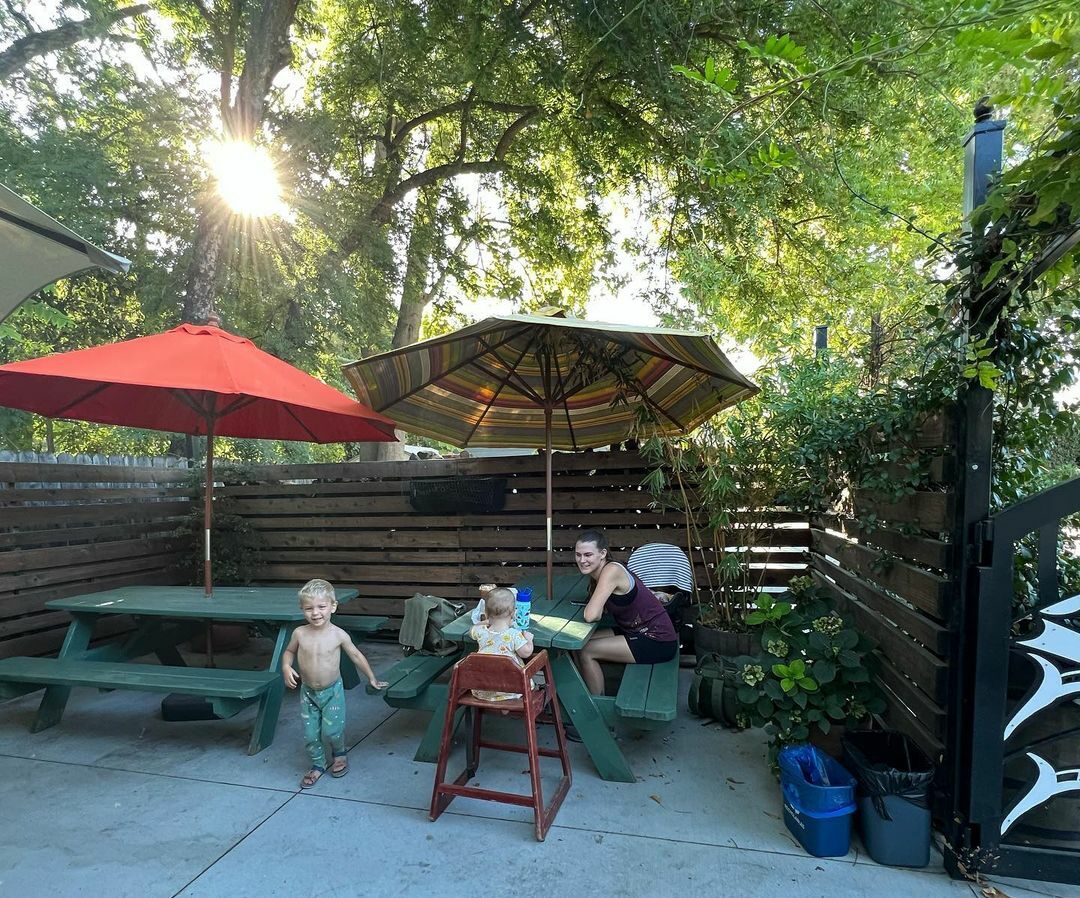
(639, 613)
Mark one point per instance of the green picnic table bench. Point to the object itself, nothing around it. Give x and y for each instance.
(647, 697)
(229, 690)
(363, 624)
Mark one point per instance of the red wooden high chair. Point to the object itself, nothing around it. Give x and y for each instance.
(490, 672)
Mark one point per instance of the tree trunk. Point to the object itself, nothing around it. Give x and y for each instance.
(876, 358)
(267, 51)
(202, 276)
(414, 298)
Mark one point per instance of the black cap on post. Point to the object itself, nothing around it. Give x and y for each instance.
(821, 338)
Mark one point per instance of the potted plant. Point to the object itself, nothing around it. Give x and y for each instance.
(813, 674)
(724, 481)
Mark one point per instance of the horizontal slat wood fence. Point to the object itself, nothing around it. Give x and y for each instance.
(68, 529)
(354, 524)
(890, 565)
(71, 529)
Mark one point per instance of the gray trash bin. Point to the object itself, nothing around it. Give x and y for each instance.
(894, 777)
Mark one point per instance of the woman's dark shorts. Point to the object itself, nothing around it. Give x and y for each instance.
(650, 651)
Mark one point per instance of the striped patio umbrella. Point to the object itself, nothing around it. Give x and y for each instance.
(550, 381)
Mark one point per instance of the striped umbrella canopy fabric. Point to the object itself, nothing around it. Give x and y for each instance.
(550, 381)
(490, 384)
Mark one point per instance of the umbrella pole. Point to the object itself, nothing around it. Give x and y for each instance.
(208, 512)
(547, 485)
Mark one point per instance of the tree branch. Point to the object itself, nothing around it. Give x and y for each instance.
(382, 209)
(393, 195)
(266, 53)
(512, 132)
(26, 49)
(412, 124)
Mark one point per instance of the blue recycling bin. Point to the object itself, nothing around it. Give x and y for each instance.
(819, 800)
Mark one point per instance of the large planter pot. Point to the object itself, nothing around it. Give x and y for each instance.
(708, 641)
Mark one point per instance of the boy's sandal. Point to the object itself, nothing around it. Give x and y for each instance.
(335, 770)
(311, 777)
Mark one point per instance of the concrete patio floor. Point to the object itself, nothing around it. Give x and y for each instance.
(116, 802)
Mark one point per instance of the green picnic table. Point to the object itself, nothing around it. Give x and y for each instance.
(646, 698)
(164, 617)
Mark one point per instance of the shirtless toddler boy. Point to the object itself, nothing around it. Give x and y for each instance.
(316, 647)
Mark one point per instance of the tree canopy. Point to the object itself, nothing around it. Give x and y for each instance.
(788, 165)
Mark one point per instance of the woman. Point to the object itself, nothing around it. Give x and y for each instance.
(643, 634)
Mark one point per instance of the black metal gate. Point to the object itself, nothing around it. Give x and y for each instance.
(1016, 801)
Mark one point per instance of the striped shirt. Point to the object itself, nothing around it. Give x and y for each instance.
(658, 565)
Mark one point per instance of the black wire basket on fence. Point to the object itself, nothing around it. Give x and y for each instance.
(458, 495)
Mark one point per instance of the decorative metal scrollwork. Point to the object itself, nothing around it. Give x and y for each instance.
(1057, 683)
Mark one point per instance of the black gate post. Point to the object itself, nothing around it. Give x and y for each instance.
(974, 442)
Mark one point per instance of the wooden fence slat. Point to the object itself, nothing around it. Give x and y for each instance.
(29, 601)
(925, 668)
(925, 590)
(598, 481)
(934, 431)
(26, 623)
(450, 467)
(466, 583)
(898, 717)
(931, 553)
(76, 536)
(928, 511)
(82, 494)
(50, 576)
(939, 469)
(66, 556)
(931, 715)
(931, 634)
(48, 642)
(74, 514)
(34, 472)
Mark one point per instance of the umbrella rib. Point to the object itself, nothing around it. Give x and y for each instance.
(640, 391)
(49, 233)
(306, 429)
(565, 404)
(427, 383)
(502, 386)
(644, 393)
(93, 391)
(656, 408)
(520, 382)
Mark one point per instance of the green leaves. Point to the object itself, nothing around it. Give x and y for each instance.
(794, 676)
(714, 76)
(779, 48)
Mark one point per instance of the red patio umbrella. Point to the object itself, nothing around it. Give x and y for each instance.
(194, 379)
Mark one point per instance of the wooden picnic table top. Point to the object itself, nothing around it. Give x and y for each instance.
(241, 603)
(555, 624)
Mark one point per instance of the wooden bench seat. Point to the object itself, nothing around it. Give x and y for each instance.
(649, 692)
(364, 624)
(410, 677)
(228, 689)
